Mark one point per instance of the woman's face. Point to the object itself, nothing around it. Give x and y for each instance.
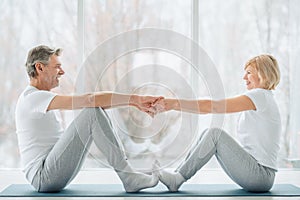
(251, 78)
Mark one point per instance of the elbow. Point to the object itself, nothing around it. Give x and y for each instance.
(89, 100)
(215, 110)
(218, 107)
(207, 107)
(98, 100)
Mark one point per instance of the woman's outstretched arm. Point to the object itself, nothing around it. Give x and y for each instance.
(230, 105)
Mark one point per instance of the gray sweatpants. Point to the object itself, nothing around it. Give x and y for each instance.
(240, 166)
(66, 157)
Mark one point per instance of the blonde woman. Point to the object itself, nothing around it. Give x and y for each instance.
(251, 162)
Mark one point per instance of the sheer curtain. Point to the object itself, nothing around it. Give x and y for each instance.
(138, 70)
(230, 32)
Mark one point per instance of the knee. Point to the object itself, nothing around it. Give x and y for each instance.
(91, 110)
(94, 112)
(98, 114)
(215, 132)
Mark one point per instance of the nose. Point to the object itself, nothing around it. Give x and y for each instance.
(245, 76)
(61, 71)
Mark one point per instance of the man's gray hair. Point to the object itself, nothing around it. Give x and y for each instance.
(39, 54)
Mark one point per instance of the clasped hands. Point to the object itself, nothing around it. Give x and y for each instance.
(151, 105)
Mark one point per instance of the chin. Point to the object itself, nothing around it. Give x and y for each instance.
(54, 86)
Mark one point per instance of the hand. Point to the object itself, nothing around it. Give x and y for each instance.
(163, 105)
(146, 103)
(159, 106)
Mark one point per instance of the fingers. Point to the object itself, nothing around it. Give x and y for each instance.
(151, 105)
(157, 107)
(150, 113)
(156, 100)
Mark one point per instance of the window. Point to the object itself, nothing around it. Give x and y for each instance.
(229, 32)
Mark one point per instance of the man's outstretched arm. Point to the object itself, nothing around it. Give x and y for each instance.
(103, 100)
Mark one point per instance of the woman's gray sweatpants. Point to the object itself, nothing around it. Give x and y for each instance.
(240, 166)
(66, 157)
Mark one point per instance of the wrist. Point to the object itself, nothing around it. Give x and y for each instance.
(175, 104)
(133, 100)
(171, 104)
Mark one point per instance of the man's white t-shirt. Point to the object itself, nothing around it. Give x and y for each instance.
(37, 129)
(259, 130)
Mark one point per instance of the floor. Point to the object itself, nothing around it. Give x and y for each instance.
(98, 176)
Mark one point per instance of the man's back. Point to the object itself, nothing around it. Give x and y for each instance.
(37, 129)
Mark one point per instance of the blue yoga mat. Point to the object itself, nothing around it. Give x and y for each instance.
(116, 190)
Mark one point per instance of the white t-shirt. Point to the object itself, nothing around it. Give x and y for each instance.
(259, 130)
(37, 129)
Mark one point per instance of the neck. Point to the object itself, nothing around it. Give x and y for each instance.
(35, 82)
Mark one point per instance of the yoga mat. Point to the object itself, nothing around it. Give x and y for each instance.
(116, 190)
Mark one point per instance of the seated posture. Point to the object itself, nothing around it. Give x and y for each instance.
(252, 162)
(51, 156)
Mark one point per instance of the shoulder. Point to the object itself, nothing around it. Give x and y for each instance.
(34, 97)
(259, 97)
(32, 92)
(33, 100)
(258, 93)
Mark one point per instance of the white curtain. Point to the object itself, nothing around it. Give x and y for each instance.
(230, 32)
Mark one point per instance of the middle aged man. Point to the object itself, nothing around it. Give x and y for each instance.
(51, 156)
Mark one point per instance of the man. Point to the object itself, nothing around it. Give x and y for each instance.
(51, 156)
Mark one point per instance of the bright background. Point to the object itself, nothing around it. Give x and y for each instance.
(231, 32)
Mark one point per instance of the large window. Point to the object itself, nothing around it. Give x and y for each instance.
(230, 32)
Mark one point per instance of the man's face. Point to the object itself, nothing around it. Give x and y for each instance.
(52, 72)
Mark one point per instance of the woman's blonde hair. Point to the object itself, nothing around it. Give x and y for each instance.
(267, 69)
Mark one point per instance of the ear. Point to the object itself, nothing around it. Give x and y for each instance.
(39, 68)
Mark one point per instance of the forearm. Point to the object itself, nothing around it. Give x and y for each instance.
(110, 99)
(103, 100)
(191, 106)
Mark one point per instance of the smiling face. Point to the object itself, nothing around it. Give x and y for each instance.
(53, 71)
(251, 77)
(49, 74)
(262, 71)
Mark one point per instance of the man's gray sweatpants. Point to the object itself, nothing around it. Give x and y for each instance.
(241, 167)
(65, 159)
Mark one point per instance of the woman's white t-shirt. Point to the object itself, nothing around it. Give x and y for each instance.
(37, 129)
(259, 130)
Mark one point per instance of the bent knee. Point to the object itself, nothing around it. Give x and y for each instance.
(94, 112)
(91, 110)
(215, 132)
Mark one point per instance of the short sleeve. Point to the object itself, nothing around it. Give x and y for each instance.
(258, 97)
(38, 101)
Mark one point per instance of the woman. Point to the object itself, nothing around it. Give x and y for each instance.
(252, 163)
